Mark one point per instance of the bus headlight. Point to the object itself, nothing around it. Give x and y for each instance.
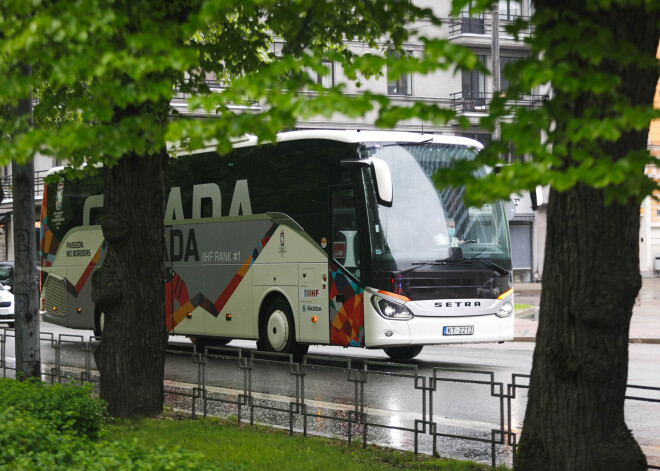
(391, 310)
(506, 310)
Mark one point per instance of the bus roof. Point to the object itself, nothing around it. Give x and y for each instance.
(356, 136)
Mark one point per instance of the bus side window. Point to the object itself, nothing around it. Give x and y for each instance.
(345, 238)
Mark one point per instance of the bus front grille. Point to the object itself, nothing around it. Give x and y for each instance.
(55, 296)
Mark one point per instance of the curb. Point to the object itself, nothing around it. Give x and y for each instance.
(525, 313)
(647, 341)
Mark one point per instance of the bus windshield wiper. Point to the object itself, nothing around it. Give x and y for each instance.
(500, 269)
(430, 262)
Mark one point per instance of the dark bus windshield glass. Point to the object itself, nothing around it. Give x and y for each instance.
(425, 225)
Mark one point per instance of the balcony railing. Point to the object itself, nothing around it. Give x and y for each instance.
(8, 184)
(478, 102)
(483, 24)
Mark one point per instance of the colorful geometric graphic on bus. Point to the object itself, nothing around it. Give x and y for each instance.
(48, 244)
(186, 305)
(346, 310)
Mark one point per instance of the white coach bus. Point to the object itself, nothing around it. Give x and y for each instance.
(322, 238)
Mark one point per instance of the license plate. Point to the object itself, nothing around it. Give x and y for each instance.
(458, 330)
(5, 311)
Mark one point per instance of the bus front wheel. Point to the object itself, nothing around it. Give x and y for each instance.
(279, 333)
(99, 321)
(403, 353)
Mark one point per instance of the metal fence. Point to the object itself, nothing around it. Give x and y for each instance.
(443, 411)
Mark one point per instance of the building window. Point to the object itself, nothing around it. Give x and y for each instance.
(474, 89)
(509, 10)
(403, 84)
(328, 79)
(504, 61)
(521, 251)
(472, 23)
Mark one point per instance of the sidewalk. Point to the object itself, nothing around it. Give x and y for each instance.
(644, 325)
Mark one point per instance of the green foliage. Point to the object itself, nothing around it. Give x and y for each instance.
(29, 442)
(581, 133)
(105, 77)
(65, 407)
(59, 427)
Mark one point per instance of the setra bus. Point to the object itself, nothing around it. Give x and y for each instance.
(321, 238)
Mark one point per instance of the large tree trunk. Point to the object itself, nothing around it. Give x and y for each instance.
(575, 414)
(574, 417)
(129, 288)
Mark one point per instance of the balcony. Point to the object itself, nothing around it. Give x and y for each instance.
(8, 183)
(478, 102)
(478, 30)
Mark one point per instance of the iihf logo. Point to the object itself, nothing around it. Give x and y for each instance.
(282, 249)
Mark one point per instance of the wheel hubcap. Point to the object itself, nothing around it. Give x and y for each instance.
(278, 330)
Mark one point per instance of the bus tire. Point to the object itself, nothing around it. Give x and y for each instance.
(279, 330)
(403, 353)
(99, 321)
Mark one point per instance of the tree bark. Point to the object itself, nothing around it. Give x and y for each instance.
(575, 413)
(26, 291)
(130, 289)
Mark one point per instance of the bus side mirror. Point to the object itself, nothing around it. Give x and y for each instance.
(381, 174)
(383, 179)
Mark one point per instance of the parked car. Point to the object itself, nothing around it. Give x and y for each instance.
(6, 306)
(7, 274)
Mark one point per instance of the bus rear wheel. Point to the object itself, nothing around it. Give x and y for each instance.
(403, 353)
(279, 334)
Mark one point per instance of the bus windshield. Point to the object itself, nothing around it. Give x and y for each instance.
(430, 226)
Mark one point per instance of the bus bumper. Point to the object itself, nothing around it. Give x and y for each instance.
(434, 330)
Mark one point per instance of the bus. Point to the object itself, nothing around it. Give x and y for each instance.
(319, 238)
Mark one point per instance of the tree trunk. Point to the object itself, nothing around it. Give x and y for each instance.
(574, 417)
(26, 291)
(129, 288)
(575, 413)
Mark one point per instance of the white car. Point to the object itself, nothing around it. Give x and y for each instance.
(6, 306)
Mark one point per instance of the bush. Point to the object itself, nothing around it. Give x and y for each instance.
(66, 407)
(27, 442)
(57, 427)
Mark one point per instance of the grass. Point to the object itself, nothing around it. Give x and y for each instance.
(519, 307)
(233, 446)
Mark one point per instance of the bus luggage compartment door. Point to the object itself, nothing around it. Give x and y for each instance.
(313, 307)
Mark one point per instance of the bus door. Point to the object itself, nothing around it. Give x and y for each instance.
(346, 296)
